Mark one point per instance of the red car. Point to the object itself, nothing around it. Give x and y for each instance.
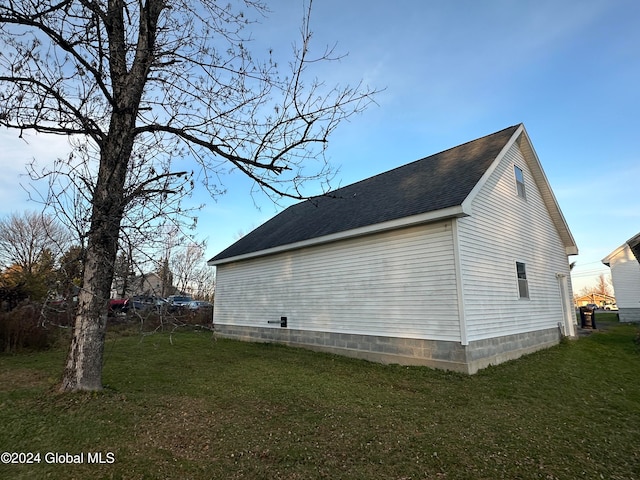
(118, 305)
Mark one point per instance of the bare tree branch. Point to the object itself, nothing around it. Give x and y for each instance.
(140, 87)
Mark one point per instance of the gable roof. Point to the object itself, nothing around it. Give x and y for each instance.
(633, 244)
(591, 298)
(432, 188)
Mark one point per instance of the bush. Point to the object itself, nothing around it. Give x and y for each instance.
(151, 320)
(21, 329)
(32, 327)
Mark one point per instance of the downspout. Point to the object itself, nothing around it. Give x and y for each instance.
(567, 328)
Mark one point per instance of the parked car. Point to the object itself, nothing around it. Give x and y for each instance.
(592, 306)
(611, 306)
(199, 305)
(118, 305)
(148, 302)
(177, 302)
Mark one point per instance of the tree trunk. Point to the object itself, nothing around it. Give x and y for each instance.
(83, 370)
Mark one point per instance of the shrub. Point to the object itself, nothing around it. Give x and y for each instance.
(21, 329)
(153, 321)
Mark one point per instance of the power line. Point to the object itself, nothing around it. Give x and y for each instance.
(590, 273)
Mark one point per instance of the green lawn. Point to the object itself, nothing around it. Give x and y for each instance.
(200, 408)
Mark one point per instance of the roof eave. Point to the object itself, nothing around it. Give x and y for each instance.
(607, 260)
(456, 211)
(632, 242)
(548, 196)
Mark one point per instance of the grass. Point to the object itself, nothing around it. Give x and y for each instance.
(196, 407)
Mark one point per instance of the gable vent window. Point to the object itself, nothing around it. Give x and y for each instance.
(519, 182)
(523, 284)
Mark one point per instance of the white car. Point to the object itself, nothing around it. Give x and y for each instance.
(613, 306)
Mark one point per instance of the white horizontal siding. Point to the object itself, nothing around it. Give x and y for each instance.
(625, 275)
(502, 230)
(399, 283)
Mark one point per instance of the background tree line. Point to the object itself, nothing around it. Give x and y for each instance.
(42, 261)
(601, 286)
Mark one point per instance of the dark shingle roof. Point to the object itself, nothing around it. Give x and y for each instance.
(433, 183)
(634, 245)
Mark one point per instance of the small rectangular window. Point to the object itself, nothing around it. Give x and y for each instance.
(523, 284)
(519, 181)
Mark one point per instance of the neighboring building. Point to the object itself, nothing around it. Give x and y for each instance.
(625, 276)
(147, 284)
(455, 261)
(596, 298)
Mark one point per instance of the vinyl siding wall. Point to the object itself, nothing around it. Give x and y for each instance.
(625, 274)
(502, 230)
(398, 284)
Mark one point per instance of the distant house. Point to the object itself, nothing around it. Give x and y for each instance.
(625, 275)
(597, 298)
(147, 284)
(455, 261)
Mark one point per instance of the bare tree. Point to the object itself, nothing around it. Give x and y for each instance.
(603, 285)
(166, 278)
(139, 85)
(190, 271)
(30, 246)
(25, 239)
(205, 282)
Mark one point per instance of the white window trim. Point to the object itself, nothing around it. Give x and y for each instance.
(522, 281)
(521, 190)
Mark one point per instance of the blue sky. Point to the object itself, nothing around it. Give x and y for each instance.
(454, 71)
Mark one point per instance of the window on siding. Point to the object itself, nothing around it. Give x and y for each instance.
(519, 181)
(523, 284)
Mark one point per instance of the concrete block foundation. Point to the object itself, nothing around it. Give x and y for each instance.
(404, 351)
(628, 315)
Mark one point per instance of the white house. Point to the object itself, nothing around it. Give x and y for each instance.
(625, 275)
(455, 261)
